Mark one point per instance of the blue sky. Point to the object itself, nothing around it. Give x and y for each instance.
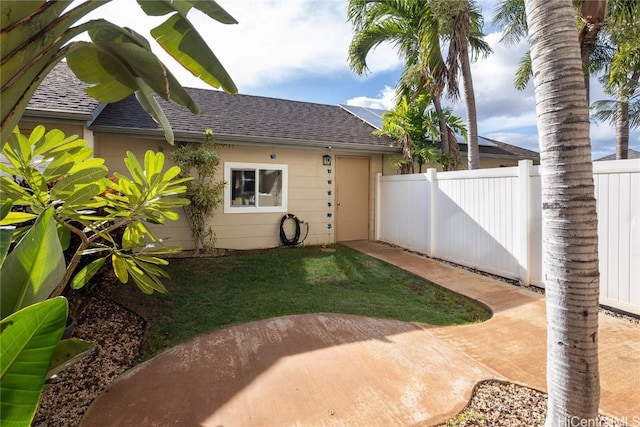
(297, 49)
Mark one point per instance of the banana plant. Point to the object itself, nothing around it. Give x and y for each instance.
(31, 325)
(36, 35)
(48, 170)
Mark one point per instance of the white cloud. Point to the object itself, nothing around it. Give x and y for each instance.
(384, 100)
(274, 40)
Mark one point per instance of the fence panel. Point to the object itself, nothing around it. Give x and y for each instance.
(476, 218)
(618, 203)
(491, 220)
(404, 215)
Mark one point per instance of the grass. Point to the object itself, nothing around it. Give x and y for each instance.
(206, 294)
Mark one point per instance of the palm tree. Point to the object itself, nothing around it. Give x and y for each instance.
(510, 14)
(117, 62)
(462, 23)
(569, 215)
(401, 22)
(620, 58)
(417, 29)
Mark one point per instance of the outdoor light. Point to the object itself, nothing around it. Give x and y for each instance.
(326, 160)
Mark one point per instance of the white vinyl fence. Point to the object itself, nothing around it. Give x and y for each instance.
(491, 220)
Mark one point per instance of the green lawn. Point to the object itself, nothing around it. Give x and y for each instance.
(206, 294)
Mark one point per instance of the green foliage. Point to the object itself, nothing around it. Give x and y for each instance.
(52, 171)
(24, 278)
(117, 61)
(412, 123)
(28, 340)
(205, 194)
(31, 324)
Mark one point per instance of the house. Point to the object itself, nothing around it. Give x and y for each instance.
(632, 154)
(315, 161)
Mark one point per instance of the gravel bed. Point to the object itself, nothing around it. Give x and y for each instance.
(117, 334)
(501, 404)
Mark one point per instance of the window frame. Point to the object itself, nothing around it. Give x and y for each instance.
(257, 167)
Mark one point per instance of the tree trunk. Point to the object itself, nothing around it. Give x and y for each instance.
(569, 218)
(622, 126)
(472, 119)
(622, 116)
(444, 130)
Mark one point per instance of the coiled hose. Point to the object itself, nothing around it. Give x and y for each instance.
(295, 240)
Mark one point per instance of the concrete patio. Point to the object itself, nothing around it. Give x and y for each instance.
(334, 369)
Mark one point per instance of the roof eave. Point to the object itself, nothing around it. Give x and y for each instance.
(247, 140)
(33, 114)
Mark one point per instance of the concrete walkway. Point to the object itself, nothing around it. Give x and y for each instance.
(341, 370)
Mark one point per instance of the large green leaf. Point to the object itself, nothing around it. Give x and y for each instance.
(28, 340)
(164, 7)
(112, 81)
(178, 37)
(34, 268)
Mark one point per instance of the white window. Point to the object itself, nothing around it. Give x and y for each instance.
(255, 187)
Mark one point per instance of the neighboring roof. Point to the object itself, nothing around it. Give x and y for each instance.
(493, 148)
(62, 95)
(238, 118)
(632, 154)
(488, 147)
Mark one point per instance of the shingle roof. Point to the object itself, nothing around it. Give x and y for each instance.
(498, 148)
(249, 116)
(62, 93)
(632, 154)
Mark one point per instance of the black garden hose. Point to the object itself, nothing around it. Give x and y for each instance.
(295, 240)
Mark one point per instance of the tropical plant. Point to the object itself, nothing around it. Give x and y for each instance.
(417, 28)
(461, 22)
(201, 161)
(53, 171)
(620, 59)
(117, 61)
(592, 16)
(569, 222)
(31, 325)
(415, 126)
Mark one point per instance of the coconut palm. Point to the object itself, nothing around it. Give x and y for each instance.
(620, 59)
(417, 29)
(117, 62)
(510, 14)
(461, 23)
(569, 215)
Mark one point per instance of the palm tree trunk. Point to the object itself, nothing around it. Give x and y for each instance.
(442, 124)
(622, 127)
(472, 119)
(569, 225)
(622, 116)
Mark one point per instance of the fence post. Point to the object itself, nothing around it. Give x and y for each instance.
(524, 221)
(377, 212)
(432, 187)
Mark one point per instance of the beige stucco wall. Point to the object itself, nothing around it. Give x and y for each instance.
(307, 193)
(26, 126)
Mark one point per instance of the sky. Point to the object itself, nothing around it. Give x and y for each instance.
(297, 50)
